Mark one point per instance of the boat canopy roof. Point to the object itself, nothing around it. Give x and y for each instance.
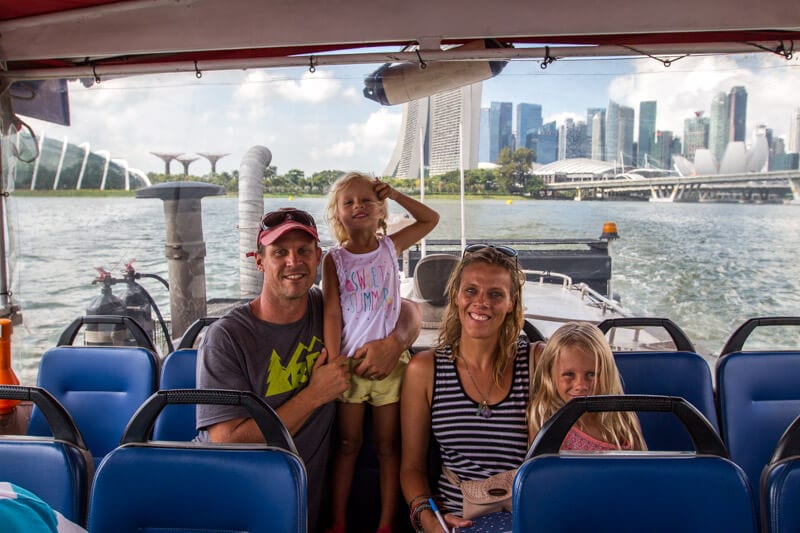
(49, 39)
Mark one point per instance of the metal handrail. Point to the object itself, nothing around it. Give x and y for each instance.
(603, 302)
(566, 281)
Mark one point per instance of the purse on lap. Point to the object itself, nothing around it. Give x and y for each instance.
(484, 496)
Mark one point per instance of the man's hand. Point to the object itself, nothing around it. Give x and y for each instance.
(330, 377)
(378, 358)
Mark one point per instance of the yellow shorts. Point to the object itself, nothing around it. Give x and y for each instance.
(377, 392)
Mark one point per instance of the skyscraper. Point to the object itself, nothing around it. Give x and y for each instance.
(545, 143)
(793, 142)
(499, 128)
(663, 149)
(619, 133)
(695, 134)
(737, 113)
(647, 131)
(718, 135)
(529, 120)
(483, 143)
(565, 126)
(596, 125)
(437, 118)
(571, 139)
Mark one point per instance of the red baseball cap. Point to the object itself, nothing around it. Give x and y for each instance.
(276, 223)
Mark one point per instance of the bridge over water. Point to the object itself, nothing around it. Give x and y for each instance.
(688, 188)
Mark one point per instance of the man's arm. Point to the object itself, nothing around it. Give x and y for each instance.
(329, 379)
(379, 357)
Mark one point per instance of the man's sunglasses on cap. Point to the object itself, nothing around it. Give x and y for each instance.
(273, 219)
(276, 218)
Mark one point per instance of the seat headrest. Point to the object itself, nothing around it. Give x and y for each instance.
(431, 275)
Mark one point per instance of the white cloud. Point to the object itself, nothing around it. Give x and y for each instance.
(380, 129)
(352, 95)
(342, 149)
(261, 87)
(366, 147)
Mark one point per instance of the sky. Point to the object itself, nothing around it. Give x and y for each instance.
(319, 121)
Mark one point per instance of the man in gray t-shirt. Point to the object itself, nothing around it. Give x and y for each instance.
(273, 347)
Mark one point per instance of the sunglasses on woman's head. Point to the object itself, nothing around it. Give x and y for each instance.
(276, 218)
(505, 250)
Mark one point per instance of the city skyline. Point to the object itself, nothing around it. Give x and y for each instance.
(321, 121)
(607, 134)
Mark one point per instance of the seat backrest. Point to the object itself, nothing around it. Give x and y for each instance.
(630, 491)
(199, 486)
(57, 469)
(758, 397)
(655, 492)
(177, 422)
(100, 386)
(683, 374)
(757, 394)
(431, 275)
(780, 484)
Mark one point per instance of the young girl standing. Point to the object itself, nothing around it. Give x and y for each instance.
(577, 361)
(361, 289)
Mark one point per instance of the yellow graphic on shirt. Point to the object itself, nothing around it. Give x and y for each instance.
(281, 379)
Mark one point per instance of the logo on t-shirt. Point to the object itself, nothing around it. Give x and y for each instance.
(282, 379)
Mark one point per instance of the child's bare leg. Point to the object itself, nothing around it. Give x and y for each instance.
(350, 421)
(386, 420)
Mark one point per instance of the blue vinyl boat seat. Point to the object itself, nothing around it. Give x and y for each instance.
(682, 374)
(780, 484)
(623, 492)
(58, 469)
(179, 486)
(100, 386)
(179, 371)
(758, 394)
(177, 422)
(679, 372)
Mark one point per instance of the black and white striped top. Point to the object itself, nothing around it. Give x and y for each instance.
(471, 446)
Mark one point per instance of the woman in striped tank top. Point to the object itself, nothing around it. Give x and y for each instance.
(472, 390)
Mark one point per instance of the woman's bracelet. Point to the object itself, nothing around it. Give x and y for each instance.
(416, 500)
(413, 509)
(416, 523)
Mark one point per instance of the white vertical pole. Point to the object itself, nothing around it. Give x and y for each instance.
(86, 147)
(461, 168)
(423, 246)
(64, 144)
(105, 168)
(36, 163)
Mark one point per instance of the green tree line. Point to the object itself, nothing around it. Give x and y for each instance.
(512, 176)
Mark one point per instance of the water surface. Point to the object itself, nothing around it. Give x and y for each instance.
(708, 267)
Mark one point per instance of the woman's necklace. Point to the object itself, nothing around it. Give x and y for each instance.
(483, 409)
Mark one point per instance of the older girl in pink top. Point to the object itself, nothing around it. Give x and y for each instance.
(577, 361)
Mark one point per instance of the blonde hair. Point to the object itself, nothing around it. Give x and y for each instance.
(619, 428)
(450, 333)
(331, 211)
